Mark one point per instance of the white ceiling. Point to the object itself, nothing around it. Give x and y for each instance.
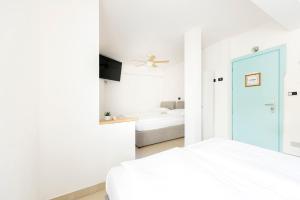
(131, 29)
(285, 12)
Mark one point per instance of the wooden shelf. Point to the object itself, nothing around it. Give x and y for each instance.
(119, 120)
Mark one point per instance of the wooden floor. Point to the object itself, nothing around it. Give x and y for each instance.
(156, 148)
(96, 196)
(140, 153)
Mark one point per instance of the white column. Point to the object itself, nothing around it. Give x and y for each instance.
(193, 84)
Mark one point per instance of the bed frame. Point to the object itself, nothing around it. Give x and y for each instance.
(145, 138)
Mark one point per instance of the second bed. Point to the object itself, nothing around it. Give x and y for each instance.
(160, 125)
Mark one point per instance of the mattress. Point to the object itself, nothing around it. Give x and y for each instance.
(159, 119)
(211, 170)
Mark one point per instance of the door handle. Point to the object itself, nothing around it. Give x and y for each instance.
(272, 106)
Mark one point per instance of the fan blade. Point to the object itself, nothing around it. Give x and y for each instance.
(161, 61)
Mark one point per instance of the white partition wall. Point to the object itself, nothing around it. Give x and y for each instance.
(193, 82)
(19, 68)
(208, 92)
(74, 149)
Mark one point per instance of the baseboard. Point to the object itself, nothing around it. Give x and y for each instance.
(81, 193)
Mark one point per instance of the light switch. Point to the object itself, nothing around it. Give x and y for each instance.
(293, 93)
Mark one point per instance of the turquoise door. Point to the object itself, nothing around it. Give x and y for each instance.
(257, 98)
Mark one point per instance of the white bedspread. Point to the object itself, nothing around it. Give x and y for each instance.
(159, 119)
(212, 170)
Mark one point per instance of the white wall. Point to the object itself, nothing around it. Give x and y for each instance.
(18, 98)
(74, 149)
(50, 140)
(193, 85)
(101, 82)
(218, 58)
(120, 144)
(142, 89)
(173, 82)
(101, 95)
(208, 92)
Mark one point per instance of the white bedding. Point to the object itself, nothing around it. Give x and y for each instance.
(158, 119)
(116, 179)
(212, 170)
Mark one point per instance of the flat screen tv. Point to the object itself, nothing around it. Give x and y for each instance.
(109, 69)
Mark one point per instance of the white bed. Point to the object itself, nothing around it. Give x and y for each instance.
(160, 118)
(159, 125)
(211, 170)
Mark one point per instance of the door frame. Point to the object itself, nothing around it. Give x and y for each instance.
(282, 67)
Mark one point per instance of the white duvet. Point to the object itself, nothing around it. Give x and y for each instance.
(212, 170)
(160, 118)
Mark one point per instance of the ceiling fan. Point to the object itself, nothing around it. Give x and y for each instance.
(151, 62)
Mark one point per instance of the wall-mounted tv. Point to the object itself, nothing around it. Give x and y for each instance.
(109, 69)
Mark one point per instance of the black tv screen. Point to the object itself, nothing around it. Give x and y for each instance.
(109, 69)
